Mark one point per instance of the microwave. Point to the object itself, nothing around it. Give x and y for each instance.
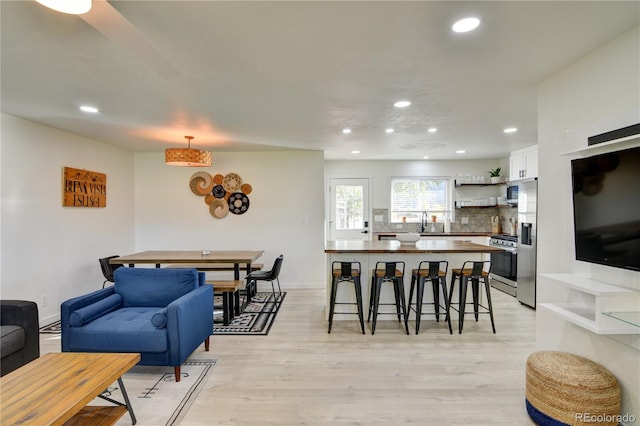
(512, 195)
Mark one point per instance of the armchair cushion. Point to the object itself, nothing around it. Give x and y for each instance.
(153, 287)
(123, 330)
(89, 313)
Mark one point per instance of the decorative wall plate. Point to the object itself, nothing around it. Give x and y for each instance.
(219, 208)
(231, 182)
(218, 191)
(246, 188)
(238, 203)
(201, 183)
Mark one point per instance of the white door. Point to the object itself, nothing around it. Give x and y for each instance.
(349, 209)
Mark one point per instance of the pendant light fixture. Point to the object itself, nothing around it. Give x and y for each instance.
(72, 7)
(187, 157)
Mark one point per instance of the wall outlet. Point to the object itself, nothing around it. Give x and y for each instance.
(43, 300)
(465, 220)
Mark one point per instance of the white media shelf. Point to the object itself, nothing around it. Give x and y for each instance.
(588, 300)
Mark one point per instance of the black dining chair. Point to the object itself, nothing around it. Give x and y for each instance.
(271, 276)
(108, 269)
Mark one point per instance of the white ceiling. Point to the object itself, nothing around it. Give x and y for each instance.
(262, 75)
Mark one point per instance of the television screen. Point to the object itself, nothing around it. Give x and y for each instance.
(606, 208)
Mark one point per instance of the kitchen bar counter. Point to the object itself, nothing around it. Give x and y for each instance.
(387, 235)
(456, 252)
(422, 246)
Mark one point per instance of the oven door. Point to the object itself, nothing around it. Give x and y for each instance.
(504, 270)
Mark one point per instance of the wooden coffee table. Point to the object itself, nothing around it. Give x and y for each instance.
(56, 388)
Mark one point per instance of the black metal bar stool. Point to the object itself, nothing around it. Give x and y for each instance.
(346, 272)
(434, 272)
(477, 272)
(387, 272)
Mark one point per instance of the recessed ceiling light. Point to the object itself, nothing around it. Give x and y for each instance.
(402, 104)
(466, 24)
(511, 130)
(426, 157)
(87, 108)
(346, 130)
(389, 130)
(460, 151)
(73, 7)
(355, 152)
(432, 130)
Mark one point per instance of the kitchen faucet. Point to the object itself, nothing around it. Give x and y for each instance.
(423, 222)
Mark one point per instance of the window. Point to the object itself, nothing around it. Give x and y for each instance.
(410, 196)
(349, 207)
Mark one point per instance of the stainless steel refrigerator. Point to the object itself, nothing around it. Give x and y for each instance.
(527, 241)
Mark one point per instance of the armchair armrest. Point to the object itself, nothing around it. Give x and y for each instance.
(189, 322)
(23, 313)
(71, 305)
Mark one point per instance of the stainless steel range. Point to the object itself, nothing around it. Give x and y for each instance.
(504, 265)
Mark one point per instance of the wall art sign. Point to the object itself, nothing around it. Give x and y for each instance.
(223, 194)
(83, 188)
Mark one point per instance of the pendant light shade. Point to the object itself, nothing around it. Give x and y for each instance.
(187, 157)
(73, 7)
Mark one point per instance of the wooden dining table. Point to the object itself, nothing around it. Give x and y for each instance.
(192, 257)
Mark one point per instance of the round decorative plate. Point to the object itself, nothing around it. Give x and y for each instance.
(246, 188)
(238, 203)
(208, 199)
(231, 182)
(201, 183)
(218, 191)
(217, 179)
(219, 208)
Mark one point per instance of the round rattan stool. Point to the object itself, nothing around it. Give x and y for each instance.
(567, 389)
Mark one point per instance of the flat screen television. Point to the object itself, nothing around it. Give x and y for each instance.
(606, 208)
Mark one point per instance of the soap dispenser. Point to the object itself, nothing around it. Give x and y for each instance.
(447, 224)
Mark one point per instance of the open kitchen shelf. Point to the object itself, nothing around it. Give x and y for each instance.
(596, 306)
(459, 184)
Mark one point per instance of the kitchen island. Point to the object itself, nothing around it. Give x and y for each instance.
(369, 252)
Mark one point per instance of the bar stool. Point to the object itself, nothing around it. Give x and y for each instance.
(387, 272)
(346, 272)
(434, 272)
(477, 272)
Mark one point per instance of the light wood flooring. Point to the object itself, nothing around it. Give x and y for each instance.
(300, 375)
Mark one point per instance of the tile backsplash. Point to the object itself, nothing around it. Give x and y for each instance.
(478, 220)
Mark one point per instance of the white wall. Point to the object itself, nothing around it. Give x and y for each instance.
(599, 93)
(285, 214)
(49, 250)
(380, 172)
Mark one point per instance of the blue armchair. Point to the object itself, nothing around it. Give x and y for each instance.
(164, 314)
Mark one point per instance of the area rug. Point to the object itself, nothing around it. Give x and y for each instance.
(155, 396)
(256, 319)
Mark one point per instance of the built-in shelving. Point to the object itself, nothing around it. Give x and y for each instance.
(596, 306)
(614, 145)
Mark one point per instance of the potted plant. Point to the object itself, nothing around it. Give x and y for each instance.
(495, 175)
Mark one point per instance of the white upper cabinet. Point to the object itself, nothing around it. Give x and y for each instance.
(523, 163)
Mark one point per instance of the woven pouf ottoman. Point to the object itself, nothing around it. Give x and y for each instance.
(566, 389)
